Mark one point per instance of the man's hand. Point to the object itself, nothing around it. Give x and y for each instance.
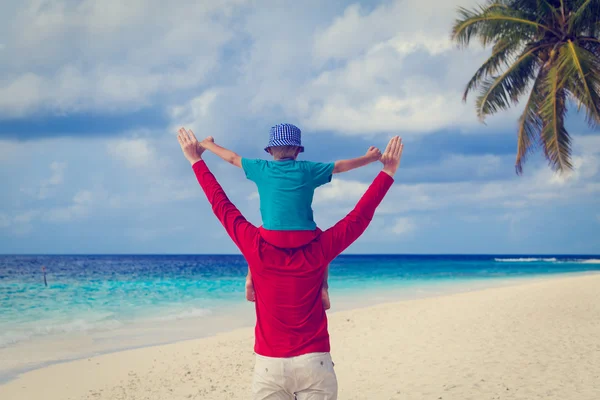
(190, 146)
(391, 156)
(373, 154)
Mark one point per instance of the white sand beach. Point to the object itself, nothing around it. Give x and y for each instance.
(537, 340)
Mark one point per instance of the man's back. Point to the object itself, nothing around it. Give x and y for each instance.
(291, 319)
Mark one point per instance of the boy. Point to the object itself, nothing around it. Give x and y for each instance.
(286, 188)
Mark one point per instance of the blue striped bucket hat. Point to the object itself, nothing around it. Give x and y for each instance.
(285, 135)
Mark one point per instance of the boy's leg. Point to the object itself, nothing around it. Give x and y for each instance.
(250, 294)
(325, 290)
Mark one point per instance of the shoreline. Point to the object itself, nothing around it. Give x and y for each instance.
(242, 316)
(491, 284)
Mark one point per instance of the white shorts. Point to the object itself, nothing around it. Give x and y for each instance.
(306, 377)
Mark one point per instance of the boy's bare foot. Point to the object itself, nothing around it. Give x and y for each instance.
(325, 297)
(250, 295)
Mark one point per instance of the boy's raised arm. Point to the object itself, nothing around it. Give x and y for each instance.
(372, 155)
(243, 233)
(227, 155)
(337, 238)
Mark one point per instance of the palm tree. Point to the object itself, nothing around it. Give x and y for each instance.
(550, 48)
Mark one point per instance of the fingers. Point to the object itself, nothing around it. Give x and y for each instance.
(399, 148)
(192, 136)
(186, 136)
(182, 137)
(388, 148)
(396, 147)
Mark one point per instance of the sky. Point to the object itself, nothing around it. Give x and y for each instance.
(92, 94)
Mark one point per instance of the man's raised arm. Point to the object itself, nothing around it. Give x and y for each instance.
(337, 238)
(239, 229)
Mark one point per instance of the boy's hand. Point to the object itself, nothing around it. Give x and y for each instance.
(208, 139)
(192, 150)
(373, 154)
(391, 156)
(227, 155)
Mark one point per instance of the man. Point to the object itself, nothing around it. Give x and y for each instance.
(291, 338)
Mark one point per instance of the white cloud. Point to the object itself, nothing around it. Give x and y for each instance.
(388, 70)
(58, 173)
(391, 68)
(79, 208)
(196, 114)
(356, 30)
(340, 190)
(26, 217)
(378, 87)
(403, 226)
(198, 107)
(141, 48)
(23, 222)
(534, 189)
(135, 153)
(48, 186)
(374, 93)
(19, 224)
(154, 169)
(5, 221)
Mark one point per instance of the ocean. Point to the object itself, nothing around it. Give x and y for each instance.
(100, 303)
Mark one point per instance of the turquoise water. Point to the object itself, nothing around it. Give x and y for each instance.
(106, 293)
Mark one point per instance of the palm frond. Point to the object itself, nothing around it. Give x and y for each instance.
(501, 54)
(555, 139)
(543, 10)
(549, 13)
(550, 46)
(492, 24)
(530, 123)
(583, 73)
(498, 92)
(585, 17)
(590, 44)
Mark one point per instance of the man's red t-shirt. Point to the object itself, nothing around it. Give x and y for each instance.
(290, 318)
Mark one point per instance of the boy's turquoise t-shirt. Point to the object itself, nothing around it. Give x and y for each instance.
(286, 189)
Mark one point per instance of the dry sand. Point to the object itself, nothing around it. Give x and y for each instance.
(539, 340)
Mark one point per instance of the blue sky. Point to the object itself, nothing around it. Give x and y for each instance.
(91, 95)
